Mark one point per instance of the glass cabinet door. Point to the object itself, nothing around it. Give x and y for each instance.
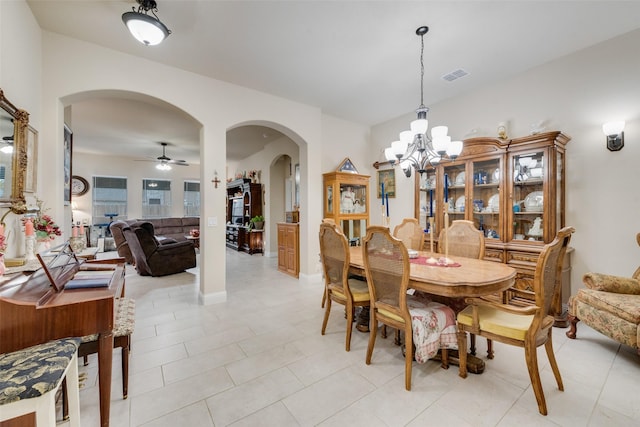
(486, 197)
(328, 200)
(528, 196)
(427, 197)
(355, 230)
(454, 191)
(353, 199)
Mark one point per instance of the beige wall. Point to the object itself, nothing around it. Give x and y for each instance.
(88, 166)
(575, 94)
(217, 106)
(20, 79)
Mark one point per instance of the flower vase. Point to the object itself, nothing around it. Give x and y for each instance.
(2, 266)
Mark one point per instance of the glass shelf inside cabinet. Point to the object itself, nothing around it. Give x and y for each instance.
(486, 197)
(528, 207)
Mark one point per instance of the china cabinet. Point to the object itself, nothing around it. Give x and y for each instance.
(346, 201)
(513, 190)
(244, 201)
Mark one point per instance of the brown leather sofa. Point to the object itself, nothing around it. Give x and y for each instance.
(154, 259)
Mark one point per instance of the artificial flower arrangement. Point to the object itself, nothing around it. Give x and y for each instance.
(44, 226)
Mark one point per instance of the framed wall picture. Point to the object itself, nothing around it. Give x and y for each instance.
(31, 173)
(388, 178)
(68, 146)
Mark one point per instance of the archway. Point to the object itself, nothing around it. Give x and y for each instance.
(275, 143)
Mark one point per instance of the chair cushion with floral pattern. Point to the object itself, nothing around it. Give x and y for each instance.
(36, 370)
(125, 319)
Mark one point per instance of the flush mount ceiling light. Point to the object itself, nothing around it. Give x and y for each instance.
(415, 148)
(147, 29)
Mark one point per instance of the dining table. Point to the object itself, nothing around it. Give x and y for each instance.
(464, 277)
(460, 277)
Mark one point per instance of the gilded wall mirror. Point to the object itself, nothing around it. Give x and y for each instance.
(13, 155)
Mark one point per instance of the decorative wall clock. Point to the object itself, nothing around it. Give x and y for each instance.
(79, 185)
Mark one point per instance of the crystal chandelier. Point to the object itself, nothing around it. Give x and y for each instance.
(415, 149)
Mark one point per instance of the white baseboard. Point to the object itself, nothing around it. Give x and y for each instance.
(212, 298)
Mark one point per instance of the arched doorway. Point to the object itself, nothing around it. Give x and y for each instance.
(266, 147)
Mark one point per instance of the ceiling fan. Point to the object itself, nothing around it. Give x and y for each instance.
(165, 162)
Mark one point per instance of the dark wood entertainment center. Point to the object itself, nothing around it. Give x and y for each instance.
(244, 201)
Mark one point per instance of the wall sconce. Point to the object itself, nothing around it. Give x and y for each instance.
(615, 135)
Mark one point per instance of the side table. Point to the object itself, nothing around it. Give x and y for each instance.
(194, 240)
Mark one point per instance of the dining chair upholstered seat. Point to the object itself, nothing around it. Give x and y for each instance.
(411, 233)
(352, 293)
(30, 378)
(386, 264)
(528, 326)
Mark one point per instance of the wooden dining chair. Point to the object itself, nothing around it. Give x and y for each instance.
(467, 241)
(386, 264)
(324, 294)
(529, 326)
(411, 233)
(463, 238)
(339, 287)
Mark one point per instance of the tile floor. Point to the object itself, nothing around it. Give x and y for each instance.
(259, 360)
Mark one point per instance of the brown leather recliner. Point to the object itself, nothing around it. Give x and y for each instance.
(121, 243)
(155, 259)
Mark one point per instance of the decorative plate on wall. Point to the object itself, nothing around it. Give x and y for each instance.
(79, 185)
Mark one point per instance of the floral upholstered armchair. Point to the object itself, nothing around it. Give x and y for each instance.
(610, 305)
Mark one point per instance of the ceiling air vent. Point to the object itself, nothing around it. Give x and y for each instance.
(456, 74)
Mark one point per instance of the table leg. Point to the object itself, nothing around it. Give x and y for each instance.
(105, 358)
(362, 320)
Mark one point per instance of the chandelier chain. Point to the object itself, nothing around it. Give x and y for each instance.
(422, 71)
